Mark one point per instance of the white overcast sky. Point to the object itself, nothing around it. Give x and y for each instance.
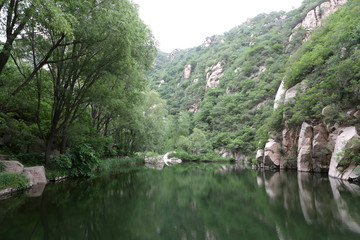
(186, 23)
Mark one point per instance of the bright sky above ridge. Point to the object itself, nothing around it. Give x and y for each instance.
(186, 23)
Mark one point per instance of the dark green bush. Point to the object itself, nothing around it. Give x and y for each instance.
(12, 180)
(80, 160)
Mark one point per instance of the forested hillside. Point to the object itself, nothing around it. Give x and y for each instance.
(224, 90)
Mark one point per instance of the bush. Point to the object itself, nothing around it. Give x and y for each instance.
(12, 180)
(80, 161)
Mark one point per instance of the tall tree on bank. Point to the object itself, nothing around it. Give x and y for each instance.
(102, 43)
(107, 34)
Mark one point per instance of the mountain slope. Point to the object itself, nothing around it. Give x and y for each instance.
(230, 82)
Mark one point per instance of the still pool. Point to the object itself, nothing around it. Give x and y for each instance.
(187, 201)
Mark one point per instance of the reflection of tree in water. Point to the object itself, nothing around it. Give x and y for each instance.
(86, 208)
(189, 201)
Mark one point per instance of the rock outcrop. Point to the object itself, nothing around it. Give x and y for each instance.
(272, 155)
(307, 150)
(213, 77)
(12, 166)
(187, 71)
(340, 166)
(279, 95)
(284, 95)
(174, 53)
(194, 108)
(260, 155)
(36, 175)
(315, 17)
(304, 158)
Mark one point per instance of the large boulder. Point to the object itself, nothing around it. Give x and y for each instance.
(340, 166)
(304, 159)
(168, 160)
(36, 175)
(272, 155)
(12, 166)
(260, 155)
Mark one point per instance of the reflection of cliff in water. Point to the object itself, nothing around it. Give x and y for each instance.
(322, 201)
(188, 201)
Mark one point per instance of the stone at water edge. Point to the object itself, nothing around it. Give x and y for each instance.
(345, 141)
(272, 154)
(304, 158)
(260, 155)
(171, 160)
(12, 166)
(36, 175)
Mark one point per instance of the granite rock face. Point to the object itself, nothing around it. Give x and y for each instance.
(213, 76)
(36, 175)
(304, 158)
(272, 154)
(315, 17)
(187, 71)
(340, 165)
(12, 166)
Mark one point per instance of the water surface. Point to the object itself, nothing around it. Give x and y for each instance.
(187, 201)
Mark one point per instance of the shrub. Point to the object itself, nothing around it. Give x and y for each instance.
(12, 180)
(81, 160)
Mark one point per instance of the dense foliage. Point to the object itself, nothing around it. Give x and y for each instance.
(73, 80)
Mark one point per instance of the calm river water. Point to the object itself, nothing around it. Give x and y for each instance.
(187, 201)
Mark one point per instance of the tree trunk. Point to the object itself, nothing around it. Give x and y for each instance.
(5, 55)
(49, 144)
(63, 144)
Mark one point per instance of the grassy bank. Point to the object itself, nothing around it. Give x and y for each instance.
(103, 165)
(12, 180)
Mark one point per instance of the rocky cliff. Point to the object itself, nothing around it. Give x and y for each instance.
(315, 17)
(263, 85)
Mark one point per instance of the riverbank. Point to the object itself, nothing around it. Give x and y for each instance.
(13, 182)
